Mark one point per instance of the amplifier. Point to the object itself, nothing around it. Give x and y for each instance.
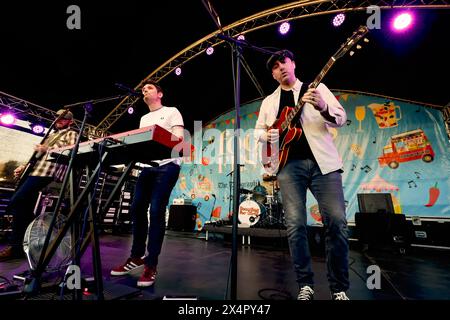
(182, 217)
(182, 201)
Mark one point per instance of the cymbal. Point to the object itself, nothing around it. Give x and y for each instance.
(268, 177)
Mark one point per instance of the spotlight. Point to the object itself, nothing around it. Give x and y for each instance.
(241, 37)
(38, 128)
(8, 119)
(284, 28)
(210, 51)
(178, 71)
(338, 19)
(402, 21)
(130, 110)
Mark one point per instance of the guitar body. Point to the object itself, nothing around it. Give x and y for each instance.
(274, 160)
(273, 157)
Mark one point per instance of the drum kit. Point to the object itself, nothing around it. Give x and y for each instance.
(262, 207)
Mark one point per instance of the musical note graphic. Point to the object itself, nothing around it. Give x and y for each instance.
(349, 122)
(417, 174)
(199, 206)
(353, 167)
(374, 140)
(411, 184)
(366, 169)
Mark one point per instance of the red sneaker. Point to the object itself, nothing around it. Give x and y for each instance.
(148, 277)
(127, 267)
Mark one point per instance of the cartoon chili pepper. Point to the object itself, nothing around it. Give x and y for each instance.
(434, 195)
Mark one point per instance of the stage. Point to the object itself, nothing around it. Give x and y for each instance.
(190, 266)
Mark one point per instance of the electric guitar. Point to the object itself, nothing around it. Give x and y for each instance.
(274, 159)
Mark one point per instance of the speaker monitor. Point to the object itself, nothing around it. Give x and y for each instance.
(381, 229)
(182, 217)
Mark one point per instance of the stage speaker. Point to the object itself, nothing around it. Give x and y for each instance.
(182, 217)
(382, 229)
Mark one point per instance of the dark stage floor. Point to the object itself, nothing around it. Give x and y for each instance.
(191, 266)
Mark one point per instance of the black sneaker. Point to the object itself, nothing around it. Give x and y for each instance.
(305, 293)
(339, 296)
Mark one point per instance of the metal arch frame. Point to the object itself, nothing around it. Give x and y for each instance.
(21, 106)
(287, 12)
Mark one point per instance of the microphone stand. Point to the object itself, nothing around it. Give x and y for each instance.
(237, 51)
(34, 285)
(236, 46)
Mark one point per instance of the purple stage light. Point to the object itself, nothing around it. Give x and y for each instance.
(241, 37)
(338, 19)
(210, 51)
(402, 21)
(178, 71)
(130, 110)
(7, 119)
(38, 129)
(284, 28)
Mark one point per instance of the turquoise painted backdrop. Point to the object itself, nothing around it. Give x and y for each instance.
(387, 145)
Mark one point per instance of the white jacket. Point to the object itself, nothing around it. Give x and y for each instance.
(315, 126)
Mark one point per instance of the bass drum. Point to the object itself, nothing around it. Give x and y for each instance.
(250, 212)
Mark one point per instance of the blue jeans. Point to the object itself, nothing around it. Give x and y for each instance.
(21, 207)
(294, 179)
(153, 188)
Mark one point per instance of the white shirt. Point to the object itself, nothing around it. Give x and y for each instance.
(167, 118)
(315, 126)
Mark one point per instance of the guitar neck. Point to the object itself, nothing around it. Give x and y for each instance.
(296, 110)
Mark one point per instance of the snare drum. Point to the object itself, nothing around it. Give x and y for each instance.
(250, 212)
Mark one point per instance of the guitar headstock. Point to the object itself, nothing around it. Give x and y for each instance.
(351, 41)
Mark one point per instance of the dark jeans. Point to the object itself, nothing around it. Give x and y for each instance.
(21, 207)
(295, 178)
(153, 188)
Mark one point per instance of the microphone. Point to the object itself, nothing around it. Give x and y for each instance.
(129, 90)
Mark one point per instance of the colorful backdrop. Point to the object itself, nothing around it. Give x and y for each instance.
(387, 145)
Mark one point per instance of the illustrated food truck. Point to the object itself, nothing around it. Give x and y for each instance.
(407, 146)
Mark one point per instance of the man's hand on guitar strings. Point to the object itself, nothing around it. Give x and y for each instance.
(314, 97)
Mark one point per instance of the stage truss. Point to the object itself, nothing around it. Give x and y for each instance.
(287, 12)
(36, 113)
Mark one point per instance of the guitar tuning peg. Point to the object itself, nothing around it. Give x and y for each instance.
(358, 46)
(366, 40)
(352, 53)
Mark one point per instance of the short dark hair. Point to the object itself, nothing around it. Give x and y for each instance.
(157, 86)
(278, 56)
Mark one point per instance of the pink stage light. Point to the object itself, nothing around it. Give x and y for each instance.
(402, 21)
(178, 71)
(284, 28)
(7, 119)
(210, 51)
(338, 19)
(130, 110)
(38, 129)
(241, 37)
